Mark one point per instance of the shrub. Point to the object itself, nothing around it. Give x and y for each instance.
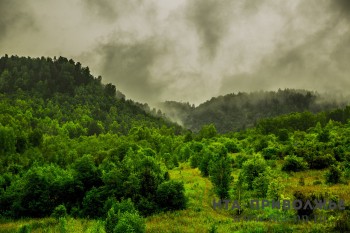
(147, 206)
(59, 212)
(333, 175)
(270, 153)
(195, 160)
(252, 168)
(260, 144)
(220, 175)
(323, 136)
(43, 189)
(274, 189)
(232, 147)
(282, 135)
(240, 159)
(204, 162)
(125, 206)
(170, 195)
(317, 182)
(322, 161)
(92, 205)
(111, 220)
(294, 163)
(303, 198)
(213, 228)
(24, 229)
(261, 184)
(117, 212)
(130, 223)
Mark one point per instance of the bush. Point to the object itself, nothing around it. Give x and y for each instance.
(333, 175)
(240, 159)
(125, 206)
(322, 161)
(232, 147)
(195, 160)
(323, 136)
(270, 153)
(204, 162)
(220, 175)
(274, 190)
(170, 195)
(282, 135)
(317, 182)
(43, 189)
(116, 213)
(24, 229)
(92, 205)
(130, 223)
(59, 212)
(261, 184)
(111, 220)
(294, 163)
(260, 144)
(252, 168)
(303, 198)
(147, 206)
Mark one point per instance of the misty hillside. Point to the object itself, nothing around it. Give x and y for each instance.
(242, 110)
(72, 94)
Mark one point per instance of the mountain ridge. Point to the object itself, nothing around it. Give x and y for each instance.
(242, 110)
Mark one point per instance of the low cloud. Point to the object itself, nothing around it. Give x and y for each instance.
(189, 50)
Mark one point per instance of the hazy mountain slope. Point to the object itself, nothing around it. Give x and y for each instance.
(238, 111)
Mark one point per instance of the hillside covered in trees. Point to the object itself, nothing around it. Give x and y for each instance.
(242, 110)
(77, 157)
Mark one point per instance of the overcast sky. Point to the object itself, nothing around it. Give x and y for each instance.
(189, 50)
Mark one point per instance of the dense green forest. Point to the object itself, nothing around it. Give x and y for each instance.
(73, 148)
(239, 111)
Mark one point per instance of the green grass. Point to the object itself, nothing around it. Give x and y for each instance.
(50, 225)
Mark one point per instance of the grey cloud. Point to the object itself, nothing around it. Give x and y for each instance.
(14, 17)
(318, 62)
(189, 50)
(105, 9)
(343, 6)
(112, 10)
(129, 65)
(210, 20)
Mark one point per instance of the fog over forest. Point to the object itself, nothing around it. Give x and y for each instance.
(157, 50)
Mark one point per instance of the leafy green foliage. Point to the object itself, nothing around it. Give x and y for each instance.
(252, 168)
(59, 212)
(123, 217)
(333, 175)
(171, 195)
(294, 163)
(7, 140)
(220, 169)
(130, 223)
(207, 131)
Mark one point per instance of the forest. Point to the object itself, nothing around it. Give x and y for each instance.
(77, 156)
